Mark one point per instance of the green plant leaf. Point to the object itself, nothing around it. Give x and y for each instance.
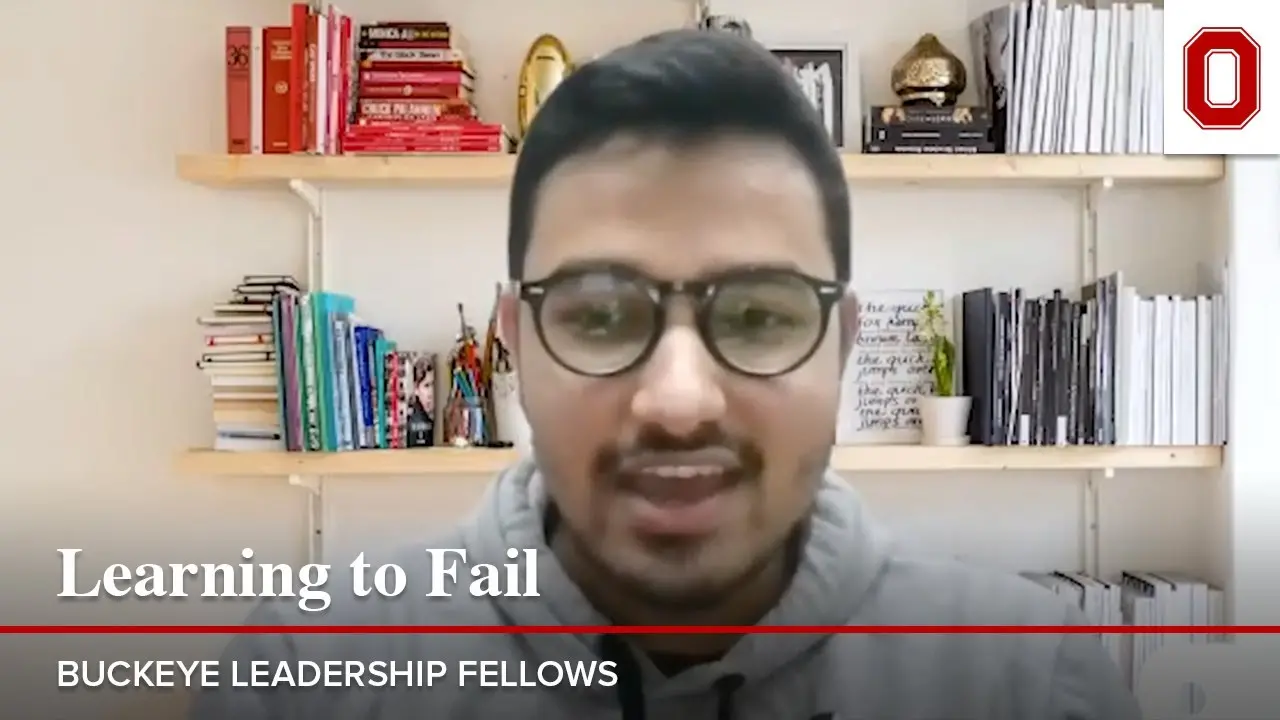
(942, 351)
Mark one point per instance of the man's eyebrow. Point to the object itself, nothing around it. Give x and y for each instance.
(605, 265)
(596, 265)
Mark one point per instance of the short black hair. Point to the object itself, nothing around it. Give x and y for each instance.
(678, 86)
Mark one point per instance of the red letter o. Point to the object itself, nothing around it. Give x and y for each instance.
(1195, 78)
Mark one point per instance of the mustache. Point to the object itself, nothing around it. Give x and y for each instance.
(709, 445)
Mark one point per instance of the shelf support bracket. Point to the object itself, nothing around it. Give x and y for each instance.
(314, 486)
(311, 483)
(1091, 560)
(317, 280)
(317, 256)
(1091, 527)
(1092, 198)
(309, 193)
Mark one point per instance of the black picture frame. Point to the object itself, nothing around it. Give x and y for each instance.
(822, 71)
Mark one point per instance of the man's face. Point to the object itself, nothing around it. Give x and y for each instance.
(679, 478)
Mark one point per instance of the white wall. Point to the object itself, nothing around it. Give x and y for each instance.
(1253, 502)
(107, 260)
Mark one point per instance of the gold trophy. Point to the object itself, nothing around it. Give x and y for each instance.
(928, 81)
(928, 73)
(545, 66)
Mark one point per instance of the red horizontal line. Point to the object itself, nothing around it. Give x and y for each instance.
(637, 629)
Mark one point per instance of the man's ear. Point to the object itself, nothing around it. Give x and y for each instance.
(847, 311)
(509, 320)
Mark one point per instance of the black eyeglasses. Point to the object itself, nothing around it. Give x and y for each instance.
(760, 322)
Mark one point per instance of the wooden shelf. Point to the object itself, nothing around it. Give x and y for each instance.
(884, 458)
(494, 169)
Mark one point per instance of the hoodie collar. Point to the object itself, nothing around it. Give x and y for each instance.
(842, 557)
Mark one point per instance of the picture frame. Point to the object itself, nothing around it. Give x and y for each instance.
(828, 73)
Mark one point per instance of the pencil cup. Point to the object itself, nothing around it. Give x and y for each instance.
(465, 423)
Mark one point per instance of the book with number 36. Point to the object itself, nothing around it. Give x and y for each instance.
(1221, 78)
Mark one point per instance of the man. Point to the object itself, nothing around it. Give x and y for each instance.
(680, 248)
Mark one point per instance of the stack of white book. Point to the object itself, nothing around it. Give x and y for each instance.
(1170, 366)
(1065, 78)
(1141, 599)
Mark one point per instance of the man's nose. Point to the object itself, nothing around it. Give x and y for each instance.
(679, 387)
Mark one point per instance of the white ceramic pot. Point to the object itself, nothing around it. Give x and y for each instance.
(944, 420)
(513, 427)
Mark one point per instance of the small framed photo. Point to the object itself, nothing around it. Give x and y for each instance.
(828, 76)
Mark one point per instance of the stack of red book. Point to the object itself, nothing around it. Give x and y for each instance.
(414, 94)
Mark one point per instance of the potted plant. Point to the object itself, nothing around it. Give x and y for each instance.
(944, 416)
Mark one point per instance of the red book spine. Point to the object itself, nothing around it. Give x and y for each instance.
(276, 96)
(311, 140)
(409, 144)
(391, 121)
(428, 130)
(333, 57)
(239, 90)
(437, 91)
(299, 12)
(346, 76)
(413, 54)
(414, 108)
(428, 143)
(374, 127)
(431, 76)
(397, 147)
(395, 433)
(417, 66)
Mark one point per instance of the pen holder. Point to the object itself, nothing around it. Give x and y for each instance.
(465, 424)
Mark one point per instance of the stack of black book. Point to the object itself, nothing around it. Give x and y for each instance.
(922, 129)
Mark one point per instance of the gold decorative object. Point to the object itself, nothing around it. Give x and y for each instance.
(545, 66)
(929, 73)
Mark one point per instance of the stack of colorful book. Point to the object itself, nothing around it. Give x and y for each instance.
(414, 91)
(343, 384)
(239, 361)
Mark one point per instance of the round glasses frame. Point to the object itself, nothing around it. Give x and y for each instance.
(703, 294)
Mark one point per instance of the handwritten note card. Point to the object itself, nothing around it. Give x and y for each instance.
(888, 371)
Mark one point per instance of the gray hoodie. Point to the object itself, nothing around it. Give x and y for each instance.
(850, 575)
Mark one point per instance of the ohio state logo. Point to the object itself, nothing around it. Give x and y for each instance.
(1246, 101)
